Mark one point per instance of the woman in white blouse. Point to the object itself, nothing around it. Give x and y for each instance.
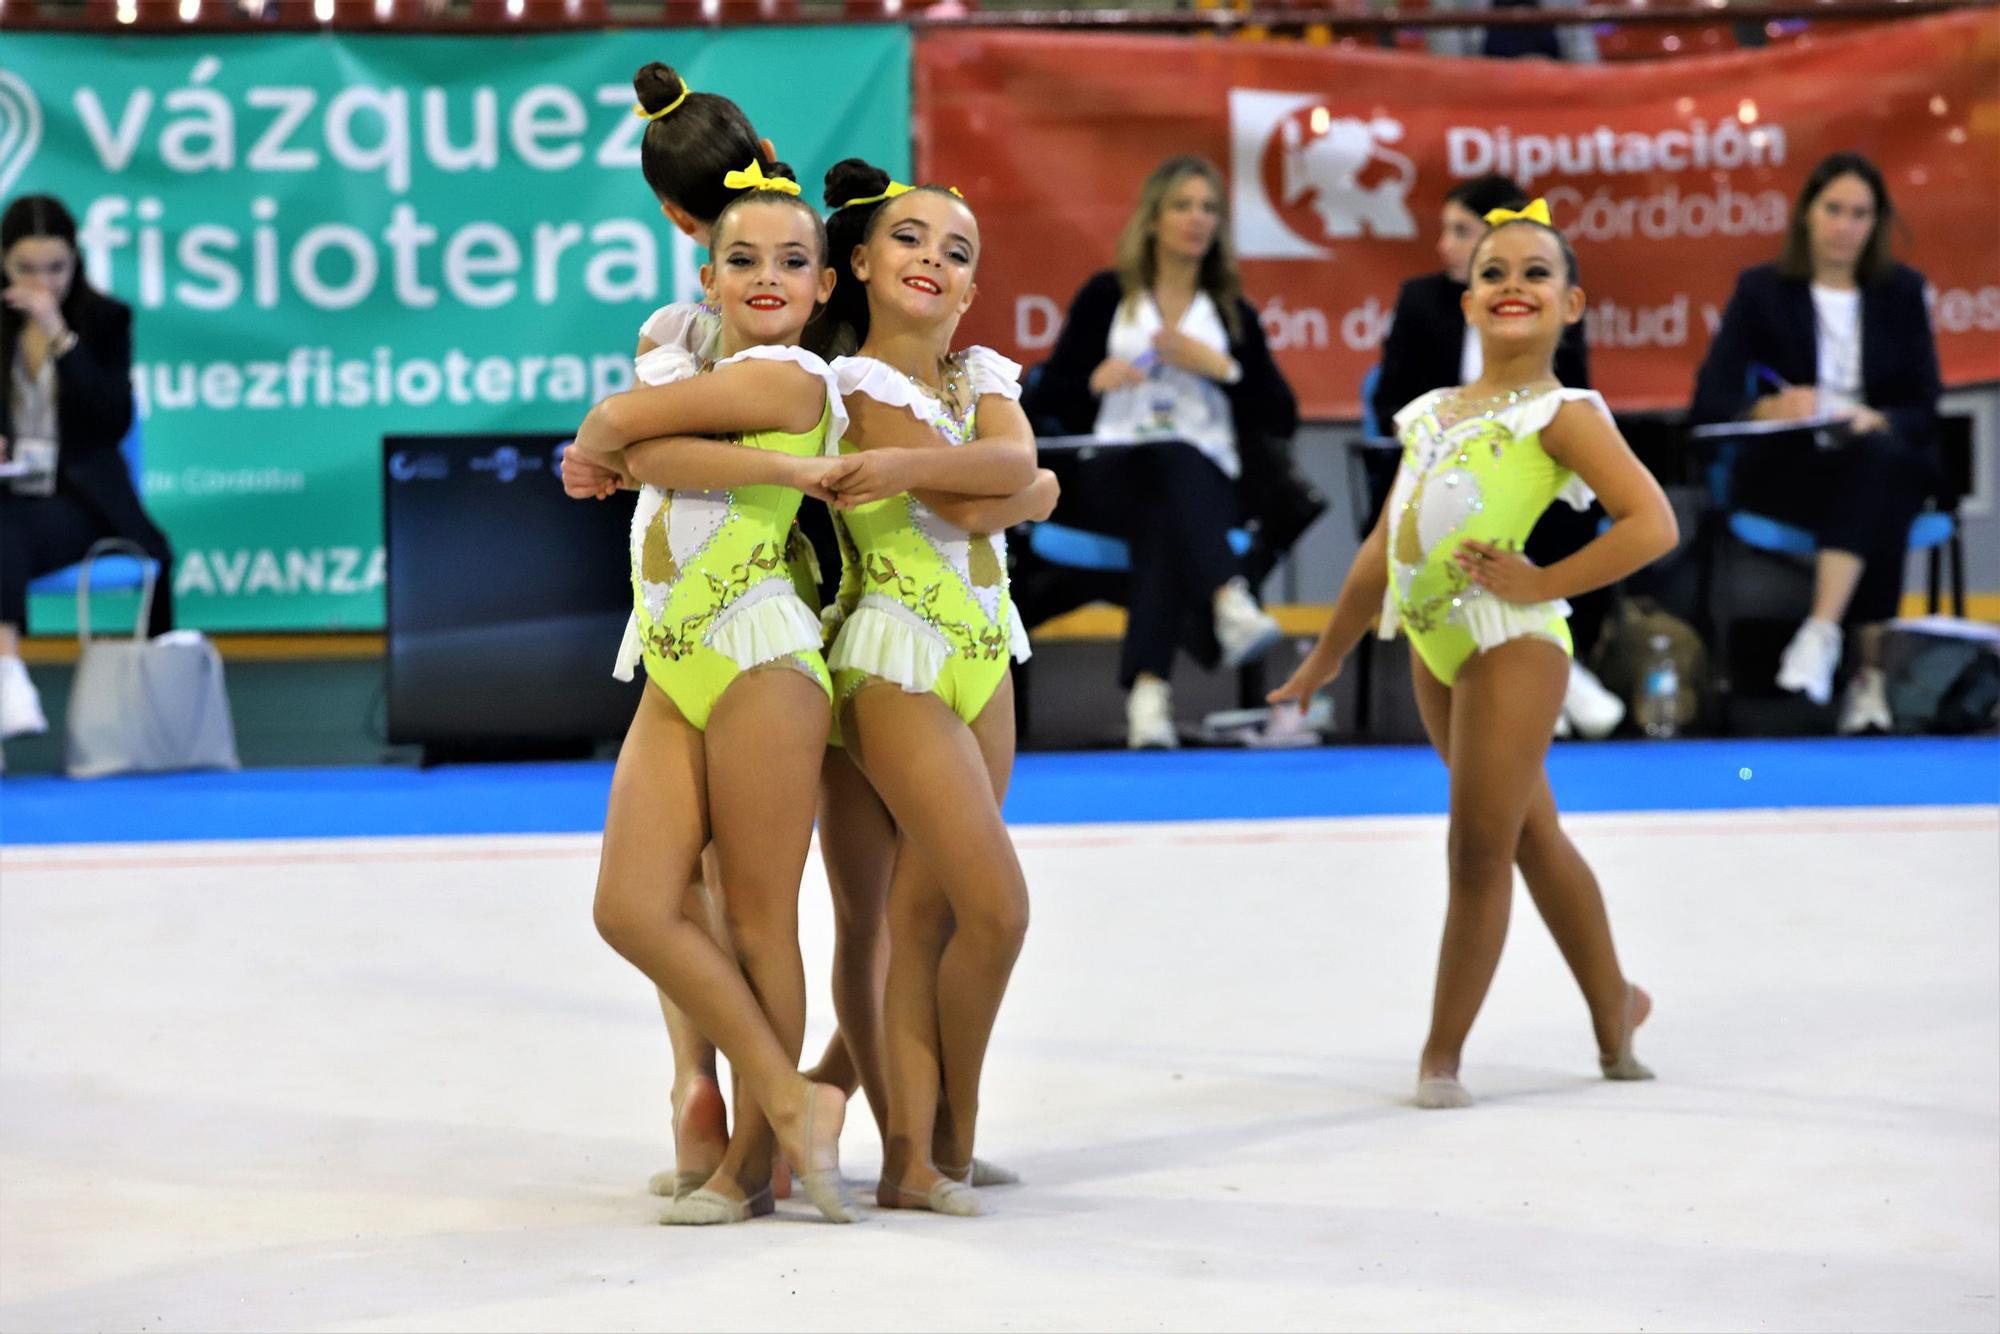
(1835, 327)
(1163, 360)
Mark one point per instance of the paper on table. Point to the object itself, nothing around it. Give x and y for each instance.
(1735, 430)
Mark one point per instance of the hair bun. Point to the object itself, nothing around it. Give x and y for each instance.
(781, 171)
(853, 178)
(656, 84)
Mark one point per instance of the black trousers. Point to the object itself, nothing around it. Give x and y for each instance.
(1860, 496)
(43, 533)
(1174, 508)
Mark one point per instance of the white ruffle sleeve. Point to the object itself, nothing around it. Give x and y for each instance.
(993, 374)
(688, 325)
(666, 364)
(882, 382)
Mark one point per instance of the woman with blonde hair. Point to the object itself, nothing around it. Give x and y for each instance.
(1163, 360)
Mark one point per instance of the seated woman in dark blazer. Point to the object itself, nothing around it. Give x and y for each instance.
(1165, 352)
(1430, 346)
(1836, 326)
(67, 354)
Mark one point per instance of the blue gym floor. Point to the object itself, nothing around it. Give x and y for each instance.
(1049, 788)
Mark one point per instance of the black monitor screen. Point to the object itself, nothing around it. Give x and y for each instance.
(506, 599)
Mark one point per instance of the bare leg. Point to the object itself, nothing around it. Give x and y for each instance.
(10, 641)
(919, 921)
(967, 1003)
(1835, 575)
(1496, 728)
(935, 779)
(1566, 895)
(764, 742)
(653, 835)
(700, 1120)
(1560, 882)
(857, 842)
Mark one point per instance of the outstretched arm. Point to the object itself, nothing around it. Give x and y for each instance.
(1360, 602)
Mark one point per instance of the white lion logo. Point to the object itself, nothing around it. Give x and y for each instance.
(1301, 176)
(1329, 166)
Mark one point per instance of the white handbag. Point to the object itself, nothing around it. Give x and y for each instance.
(140, 705)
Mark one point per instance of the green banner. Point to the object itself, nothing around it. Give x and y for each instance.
(328, 239)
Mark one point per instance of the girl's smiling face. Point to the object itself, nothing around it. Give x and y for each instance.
(1520, 288)
(920, 257)
(766, 275)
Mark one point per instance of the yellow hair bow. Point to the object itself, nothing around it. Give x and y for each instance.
(895, 188)
(1536, 211)
(752, 177)
(640, 111)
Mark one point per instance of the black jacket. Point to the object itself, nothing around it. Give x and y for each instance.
(1770, 322)
(93, 408)
(1426, 340)
(1261, 403)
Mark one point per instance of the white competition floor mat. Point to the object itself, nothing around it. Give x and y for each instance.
(398, 1083)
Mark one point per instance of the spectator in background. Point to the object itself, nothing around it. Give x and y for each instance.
(1574, 42)
(1163, 359)
(1430, 346)
(67, 351)
(1835, 327)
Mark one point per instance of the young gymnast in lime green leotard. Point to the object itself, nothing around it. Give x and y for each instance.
(921, 659)
(730, 729)
(1480, 464)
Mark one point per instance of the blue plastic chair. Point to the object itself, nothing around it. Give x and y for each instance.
(1932, 529)
(1370, 428)
(116, 574)
(1081, 549)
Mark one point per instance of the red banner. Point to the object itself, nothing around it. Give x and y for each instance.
(1669, 177)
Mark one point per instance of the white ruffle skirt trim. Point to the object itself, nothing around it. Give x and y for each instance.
(882, 637)
(770, 621)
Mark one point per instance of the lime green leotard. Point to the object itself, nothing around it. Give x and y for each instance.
(684, 335)
(1484, 477)
(924, 604)
(715, 574)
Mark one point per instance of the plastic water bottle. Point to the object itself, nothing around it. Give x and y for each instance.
(1660, 702)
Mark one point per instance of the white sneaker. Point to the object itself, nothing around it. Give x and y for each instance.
(1244, 629)
(1149, 716)
(20, 703)
(1588, 707)
(1810, 659)
(1866, 706)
